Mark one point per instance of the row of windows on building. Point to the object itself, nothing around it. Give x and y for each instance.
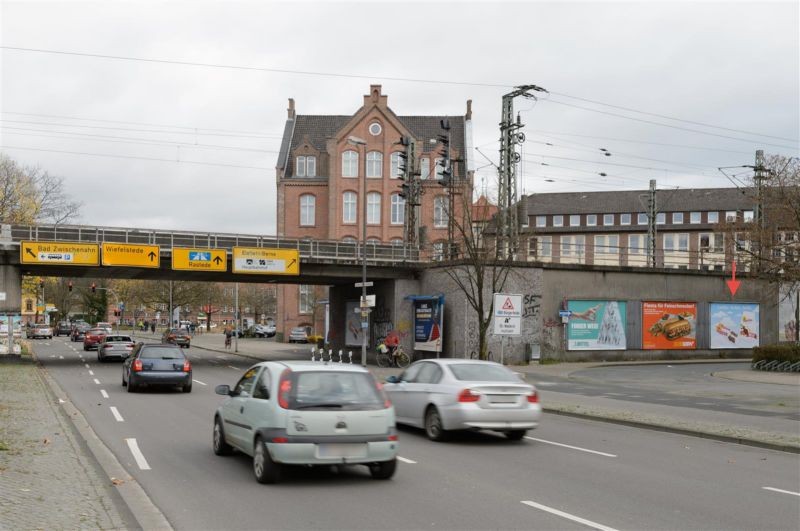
(677, 218)
(308, 209)
(637, 244)
(306, 165)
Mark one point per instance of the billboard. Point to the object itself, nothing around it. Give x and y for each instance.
(734, 325)
(353, 331)
(669, 325)
(10, 333)
(596, 325)
(787, 305)
(428, 324)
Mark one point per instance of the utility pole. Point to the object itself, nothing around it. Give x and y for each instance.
(411, 189)
(507, 230)
(652, 212)
(448, 182)
(759, 175)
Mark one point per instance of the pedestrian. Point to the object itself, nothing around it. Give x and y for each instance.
(228, 334)
(153, 326)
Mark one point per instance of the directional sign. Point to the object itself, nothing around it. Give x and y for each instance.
(507, 314)
(131, 255)
(59, 253)
(199, 259)
(263, 261)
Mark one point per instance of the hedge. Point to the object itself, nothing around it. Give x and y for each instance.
(790, 353)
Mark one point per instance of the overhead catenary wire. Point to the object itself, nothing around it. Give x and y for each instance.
(610, 163)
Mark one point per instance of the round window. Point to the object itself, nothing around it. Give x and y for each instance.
(374, 128)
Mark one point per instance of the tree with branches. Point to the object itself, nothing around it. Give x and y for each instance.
(31, 195)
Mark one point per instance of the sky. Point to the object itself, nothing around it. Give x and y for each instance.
(672, 90)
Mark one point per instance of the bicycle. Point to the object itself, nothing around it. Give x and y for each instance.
(395, 358)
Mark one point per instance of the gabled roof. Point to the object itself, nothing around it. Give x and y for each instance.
(483, 210)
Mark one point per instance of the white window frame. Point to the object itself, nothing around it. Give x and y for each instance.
(625, 219)
(305, 166)
(677, 218)
(425, 168)
(373, 208)
(541, 221)
(748, 216)
(637, 244)
(661, 218)
(641, 218)
(308, 210)
(439, 169)
(300, 166)
(591, 220)
(558, 220)
(374, 165)
(606, 244)
(713, 216)
(440, 212)
(398, 210)
(574, 220)
(695, 218)
(730, 216)
(349, 207)
(304, 295)
(349, 240)
(607, 218)
(350, 163)
(438, 251)
(545, 249)
(394, 163)
(573, 245)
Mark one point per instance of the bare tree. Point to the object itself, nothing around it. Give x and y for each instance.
(30, 195)
(260, 298)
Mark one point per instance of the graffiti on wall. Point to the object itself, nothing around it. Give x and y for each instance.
(531, 304)
(381, 323)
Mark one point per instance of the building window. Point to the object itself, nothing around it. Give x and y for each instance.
(398, 210)
(591, 220)
(575, 220)
(437, 162)
(545, 249)
(713, 217)
(677, 218)
(636, 244)
(350, 164)
(641, 219)
(349, 200)
(730, 216)
(676, 242)
(397, 241)
(349, 239)
(373, 208)
(661, 218)
(28, 305)
(374, 164)
(558, 221)
(440, 212)
(307, 210)
(305, 298)
(710, 242)
(624, 219)
(606, 244)
(424, 168)
(373, 241)
(533, 247)
(306, 166)
(748, 216)
(396, 171)
(541, 221)
(695, 217)
(438, 251)
(608, 219)
(572, 245)
(375, 129)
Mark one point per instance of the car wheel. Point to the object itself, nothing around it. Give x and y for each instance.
(85, 348)
(516, 435)
(220, 446)
(187, 388)
(383, 470)
(265, 469)
(433, 425)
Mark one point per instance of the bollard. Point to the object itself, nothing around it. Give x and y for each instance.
(340, 355)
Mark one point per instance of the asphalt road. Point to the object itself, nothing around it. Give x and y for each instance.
(571, 473)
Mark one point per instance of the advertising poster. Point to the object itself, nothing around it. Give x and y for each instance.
(787, 325)
(428, 324)
(596, 325)
(10, 333)
(353, 326)
(734, 325)
(669, 325)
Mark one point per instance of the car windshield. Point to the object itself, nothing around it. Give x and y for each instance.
(96, 331)
(334, 390)
(482, 372)
(298, 330)
(161, 353)
(110, 339)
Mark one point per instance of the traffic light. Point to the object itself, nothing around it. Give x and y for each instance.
(405, 190)
(69, 285)
(94, 287)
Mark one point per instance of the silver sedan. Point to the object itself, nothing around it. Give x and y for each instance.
(445, 395)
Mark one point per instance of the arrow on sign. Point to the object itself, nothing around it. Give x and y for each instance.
(290, 263)
(733, 284)
(217, 259)
(28, 250)
(152, 255)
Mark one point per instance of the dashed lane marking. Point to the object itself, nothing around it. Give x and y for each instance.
(97, 381)
(116, 414)
(198, 381)
(61, 357)
(91, 373)
(137, 454)
(570, 447)
(86, 365)
(405, 460)
(568, 516)
(773, 489)
(234, 368)
(103, 392)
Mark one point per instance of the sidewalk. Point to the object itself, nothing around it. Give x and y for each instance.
(48, 478)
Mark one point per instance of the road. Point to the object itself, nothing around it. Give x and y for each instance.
(570, 474)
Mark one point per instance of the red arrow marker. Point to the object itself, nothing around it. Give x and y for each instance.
(733, 284)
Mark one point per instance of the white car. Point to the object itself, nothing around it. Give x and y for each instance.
(444, 395)
(40, 330)
(307, 413)
(267, 330)
(299, 334)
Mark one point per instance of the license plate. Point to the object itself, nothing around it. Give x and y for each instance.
(341, 450)
(502, 399)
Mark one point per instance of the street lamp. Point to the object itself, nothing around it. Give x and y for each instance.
(354, 140)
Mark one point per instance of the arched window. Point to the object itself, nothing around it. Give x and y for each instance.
(308, 209)
(398, 209)
(375, 164)
(349, 239)
(350, 164)
(349, 200)
(373, 241)
(440, 212)
(374, 208)
(397, 241)
(396, 171)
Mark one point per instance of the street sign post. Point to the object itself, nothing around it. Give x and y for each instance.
(131, 255)
(185, 259)
(364, 284)
(56, 253)
(263, 261)
(507, 314)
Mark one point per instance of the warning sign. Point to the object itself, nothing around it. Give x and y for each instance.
(507, 314)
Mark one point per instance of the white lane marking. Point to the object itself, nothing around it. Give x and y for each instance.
(91, 373)
(545, 384)
(571, 447)
(781, 491)
(137, 454)
(103, 392)
(86, 365)
(116, 414)
(198, 381)
(568, 516)
(97, 381)
(61, 357)
(404, 460)
(223, 357)
(234, 368)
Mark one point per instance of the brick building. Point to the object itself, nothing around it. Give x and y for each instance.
(320, 175)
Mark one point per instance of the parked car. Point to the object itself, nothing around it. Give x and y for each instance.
(40, 330)
(114, 346)
(177, 336)
(105, 326)
(93, 337)
(157, 364)
(306, 413)
(79, 332)
(266, 330)
(444, 395)
(63, 328)
(299, 334)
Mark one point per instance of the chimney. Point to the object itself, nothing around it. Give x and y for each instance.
(468, 116)
(291, 109)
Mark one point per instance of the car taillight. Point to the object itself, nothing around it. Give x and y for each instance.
(129, 347)
(533, 397)
(392, 437)
(280, 439)
(386, 402)
(137, 366)
(468, 396)
(171, 337)
(284, 388)
(187, 366)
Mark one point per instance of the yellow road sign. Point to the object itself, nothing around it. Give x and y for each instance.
(59, 253)
(262, 261)
(131, 255)
(199, 259)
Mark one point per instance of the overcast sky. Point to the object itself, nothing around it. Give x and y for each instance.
(731, 65)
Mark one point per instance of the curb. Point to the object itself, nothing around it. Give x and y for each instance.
(145, 512)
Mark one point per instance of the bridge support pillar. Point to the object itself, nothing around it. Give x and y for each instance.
(10, 289)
